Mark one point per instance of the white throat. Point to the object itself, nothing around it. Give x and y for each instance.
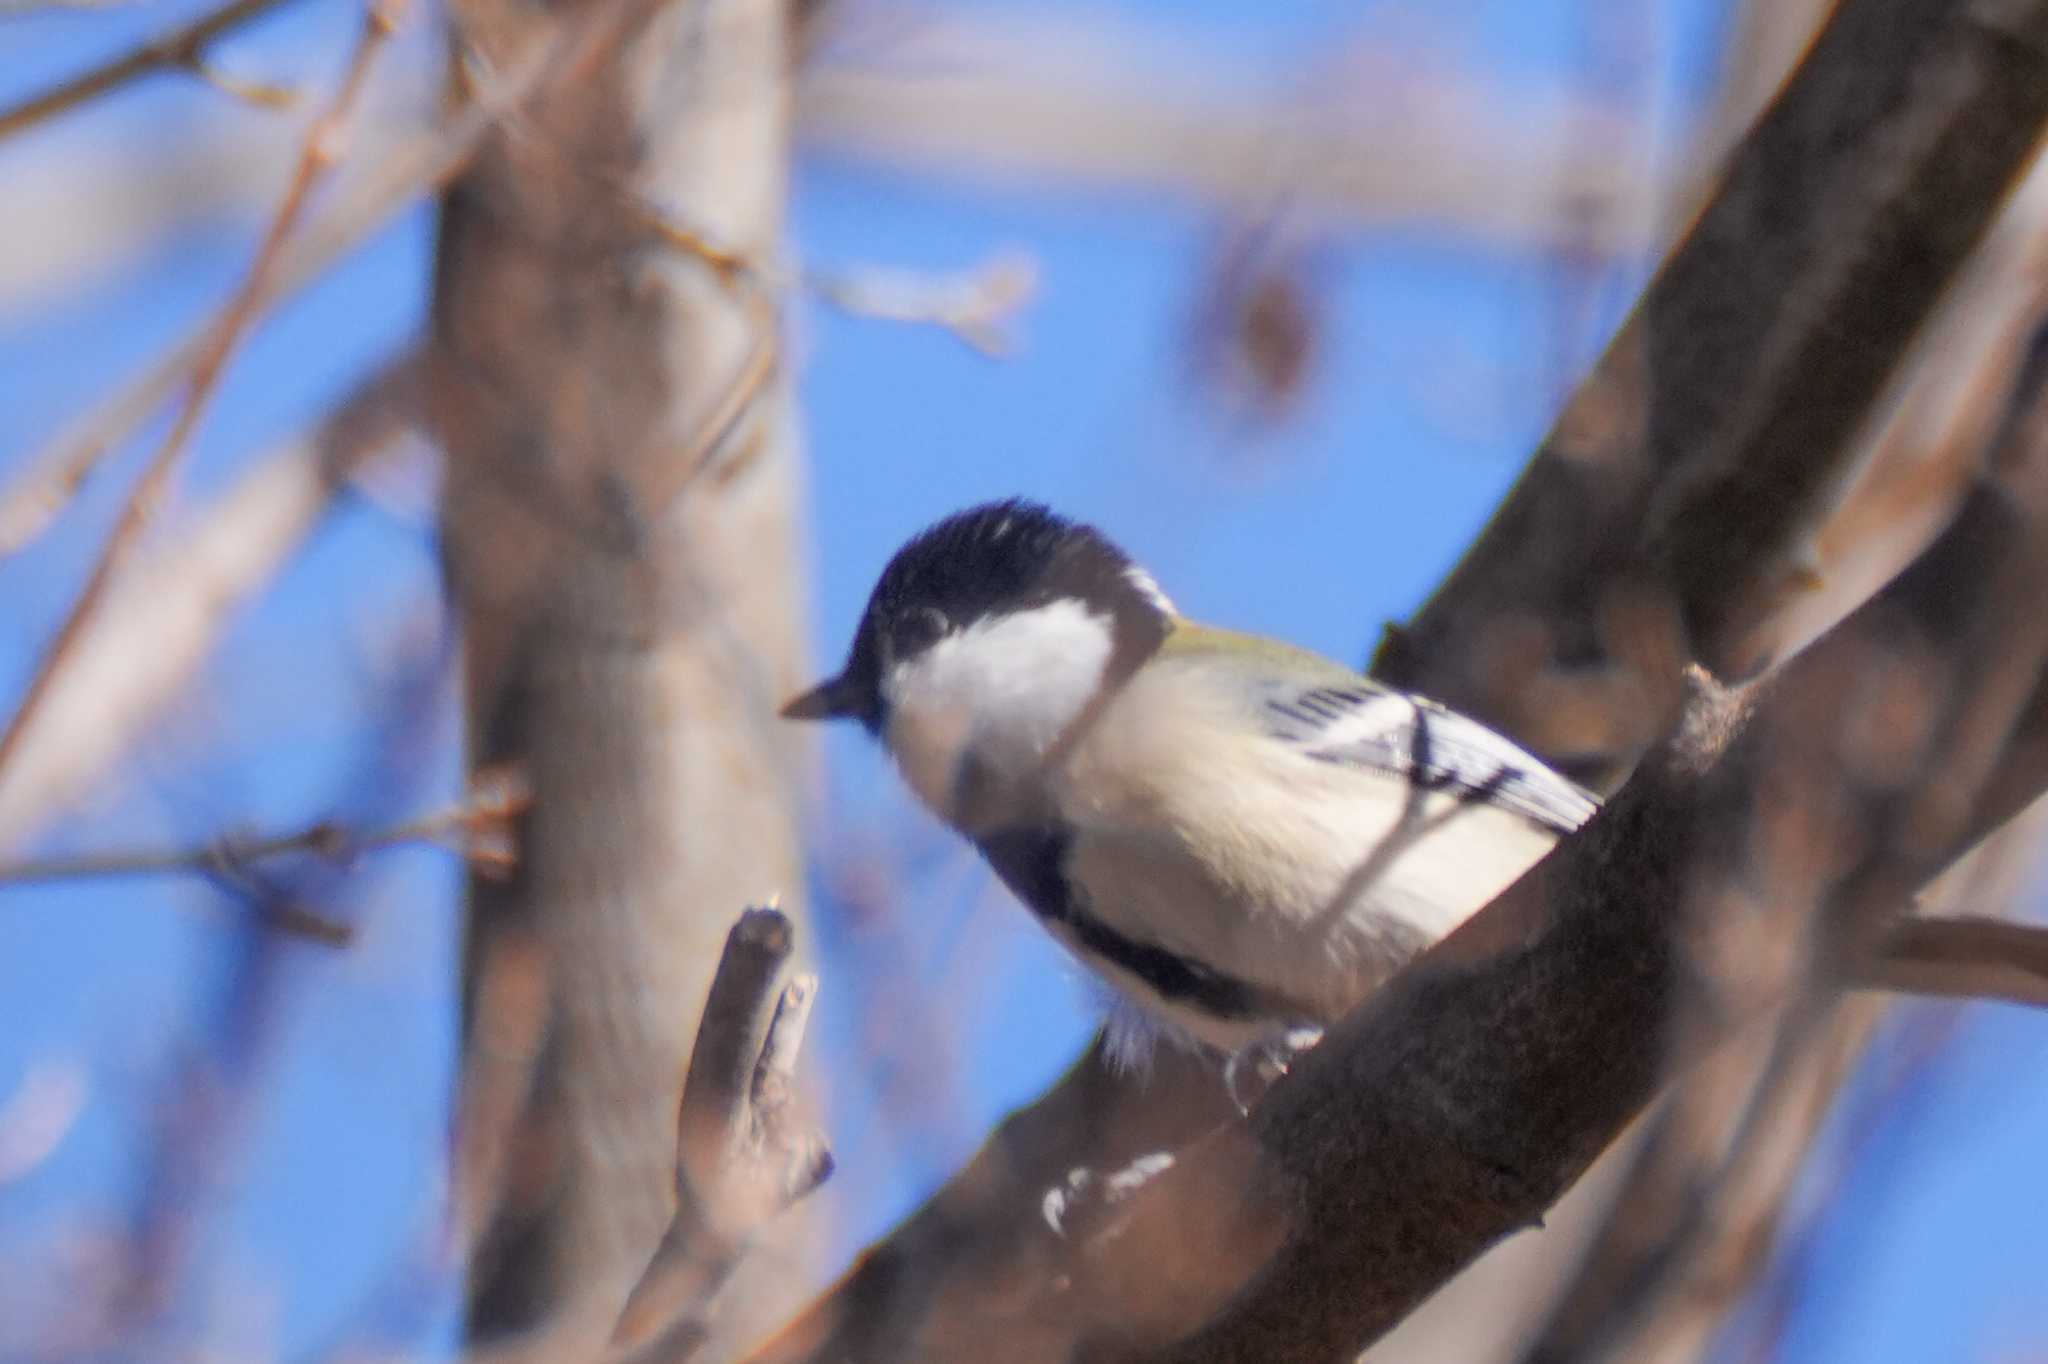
(972, 718)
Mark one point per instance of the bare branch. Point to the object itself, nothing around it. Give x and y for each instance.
(404, 172)
(258, 94)
(1389, 137)
(979, 306)
(933, 1287)
(1768, 337)
(741, 1156)
(714, 1113)
(1696, 1208)
(323, 147)
(477, 828)
(1688, 1231)
(183, 48)
(1963, 958)
(1453, 155)
(162, 615)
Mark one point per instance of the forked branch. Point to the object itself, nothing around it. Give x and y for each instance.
(743, 1153)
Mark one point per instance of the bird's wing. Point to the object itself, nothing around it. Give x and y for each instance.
(1334, 715)
(1353, 721)
(1031, 862)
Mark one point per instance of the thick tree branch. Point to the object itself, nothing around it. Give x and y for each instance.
(1713, 437)
(1688, 1233)
(932, 1289)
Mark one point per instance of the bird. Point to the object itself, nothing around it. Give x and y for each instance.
(1242, 838)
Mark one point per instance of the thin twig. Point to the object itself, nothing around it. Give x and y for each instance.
(757, 295)
(1966, 957)
(182, 49)
(59, 472)
(979, 306)
(322, 150)
(260, 94)
(475, 826)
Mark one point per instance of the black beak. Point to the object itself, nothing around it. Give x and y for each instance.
(836, 698)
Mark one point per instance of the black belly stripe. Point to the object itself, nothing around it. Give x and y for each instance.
(1031, 861)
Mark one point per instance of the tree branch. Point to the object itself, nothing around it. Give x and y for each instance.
(1701, 1199)
(1768, 336)
(405, 170)
(742, 1157)
(161, 617)
(322, 149)
(477, 827)
(183, 48)
(1962, 958)
(979, 306)
(1392, 137)
(1688, 1232)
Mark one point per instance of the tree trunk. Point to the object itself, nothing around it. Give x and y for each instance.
(621, 533)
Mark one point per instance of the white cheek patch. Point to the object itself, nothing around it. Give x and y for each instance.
(1002, 690)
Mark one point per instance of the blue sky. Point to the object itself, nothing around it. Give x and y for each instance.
(1440, 365)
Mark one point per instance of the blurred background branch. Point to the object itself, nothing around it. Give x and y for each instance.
(182, 49)
(325, 144)
(163, 616)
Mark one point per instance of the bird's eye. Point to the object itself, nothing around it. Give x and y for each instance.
(919, 629)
